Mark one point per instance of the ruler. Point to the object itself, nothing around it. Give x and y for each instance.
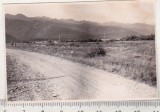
(88, 106)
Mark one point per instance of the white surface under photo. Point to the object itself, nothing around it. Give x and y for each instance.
(80, 51)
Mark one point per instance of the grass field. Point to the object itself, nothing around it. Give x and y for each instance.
(131, 59)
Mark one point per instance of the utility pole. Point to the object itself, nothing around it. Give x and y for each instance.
(104, 35)
(59, 38)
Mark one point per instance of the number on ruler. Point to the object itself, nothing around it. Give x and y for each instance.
(80, 111)
(98, 111)
(118, 111)
(156, 111)
(137, 111)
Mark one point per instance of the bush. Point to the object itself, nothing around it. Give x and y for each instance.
(96, 52)
(140, 37)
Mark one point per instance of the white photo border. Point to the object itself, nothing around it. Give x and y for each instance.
(3, 76)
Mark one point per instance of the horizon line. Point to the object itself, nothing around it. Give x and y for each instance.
(77, 20)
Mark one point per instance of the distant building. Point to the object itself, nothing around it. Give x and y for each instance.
(104, 40)
(55, 42)
(40, 42)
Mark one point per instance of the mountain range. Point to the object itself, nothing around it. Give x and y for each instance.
(22, 28)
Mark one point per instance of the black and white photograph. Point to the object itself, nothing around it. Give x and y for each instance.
(102, 50)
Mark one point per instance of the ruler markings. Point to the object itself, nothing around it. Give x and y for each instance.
(92, 106)
(82, 104)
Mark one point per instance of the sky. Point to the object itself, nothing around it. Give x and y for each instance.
(131, 11)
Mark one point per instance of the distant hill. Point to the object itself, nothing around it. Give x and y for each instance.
(10, 38)
(25, 18)
(144, 29)
(23, 28)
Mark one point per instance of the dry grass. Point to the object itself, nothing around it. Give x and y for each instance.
(132, 59)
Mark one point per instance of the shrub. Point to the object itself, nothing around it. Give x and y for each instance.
(139, 37)
(96, 52)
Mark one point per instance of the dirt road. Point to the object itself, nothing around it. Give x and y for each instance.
(37, 76)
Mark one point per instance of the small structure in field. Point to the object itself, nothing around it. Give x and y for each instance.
(55, 42)
(40, 43)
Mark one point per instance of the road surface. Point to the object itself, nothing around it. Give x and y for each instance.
(35, 76)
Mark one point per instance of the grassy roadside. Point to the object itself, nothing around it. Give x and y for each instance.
(131, 59)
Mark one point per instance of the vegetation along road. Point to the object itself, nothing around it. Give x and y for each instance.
(37, 76)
